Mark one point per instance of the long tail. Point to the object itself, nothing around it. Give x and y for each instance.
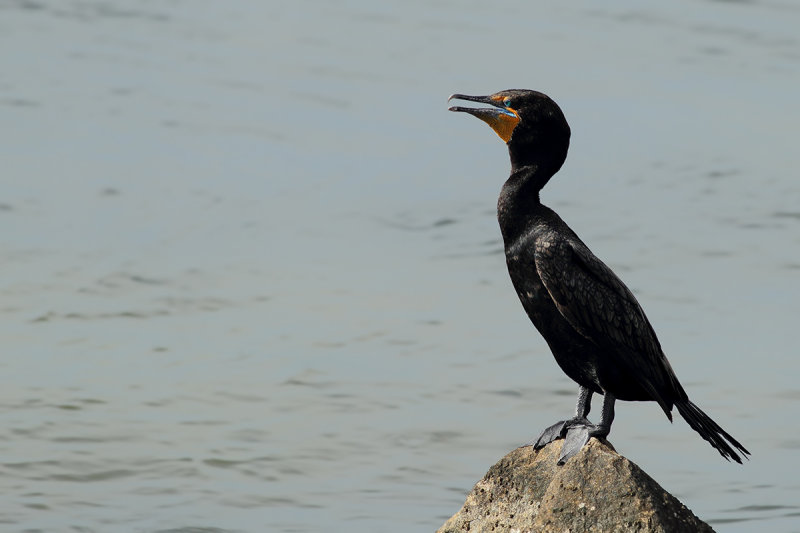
(710, 431)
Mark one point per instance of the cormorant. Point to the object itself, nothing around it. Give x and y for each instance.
(597, 331)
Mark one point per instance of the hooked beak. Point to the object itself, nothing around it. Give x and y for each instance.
(502, 119)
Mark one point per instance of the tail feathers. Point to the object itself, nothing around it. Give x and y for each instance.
(710, 431)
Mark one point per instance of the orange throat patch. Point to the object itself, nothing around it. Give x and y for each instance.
(503, 123)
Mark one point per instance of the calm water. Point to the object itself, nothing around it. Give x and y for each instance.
(252, 278)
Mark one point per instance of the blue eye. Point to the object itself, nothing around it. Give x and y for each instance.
(507, 101)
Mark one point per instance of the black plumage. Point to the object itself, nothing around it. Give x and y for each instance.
(593, 324)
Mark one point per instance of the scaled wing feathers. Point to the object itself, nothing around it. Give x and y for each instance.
(601, 308)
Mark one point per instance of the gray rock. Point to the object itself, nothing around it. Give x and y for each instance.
(598, 490)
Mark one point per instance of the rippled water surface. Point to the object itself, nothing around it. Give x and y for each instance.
(252, 279)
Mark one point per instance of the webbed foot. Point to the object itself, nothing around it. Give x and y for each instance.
(576, 438)
(556, 431)
(577, 431)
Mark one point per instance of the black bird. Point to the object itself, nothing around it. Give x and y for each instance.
(597, 331)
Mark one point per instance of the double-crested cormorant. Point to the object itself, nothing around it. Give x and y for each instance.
(596, 329)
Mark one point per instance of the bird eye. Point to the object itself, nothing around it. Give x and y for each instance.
(507, 101)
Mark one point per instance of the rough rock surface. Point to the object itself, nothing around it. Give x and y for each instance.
(598, 490)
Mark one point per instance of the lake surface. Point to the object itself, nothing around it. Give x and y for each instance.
(253, 281)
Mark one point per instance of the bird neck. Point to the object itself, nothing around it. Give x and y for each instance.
(523, 185)
(519, 199)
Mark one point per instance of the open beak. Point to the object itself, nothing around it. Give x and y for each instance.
(502, 119)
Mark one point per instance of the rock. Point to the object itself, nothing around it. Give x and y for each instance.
(598, 490)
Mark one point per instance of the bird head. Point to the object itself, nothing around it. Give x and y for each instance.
(529, 122)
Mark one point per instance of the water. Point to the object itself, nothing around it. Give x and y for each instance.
(252, 278)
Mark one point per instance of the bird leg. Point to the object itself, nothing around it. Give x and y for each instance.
(559, 429)
(578, 433)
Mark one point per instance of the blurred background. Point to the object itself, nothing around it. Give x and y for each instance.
(252, 278)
